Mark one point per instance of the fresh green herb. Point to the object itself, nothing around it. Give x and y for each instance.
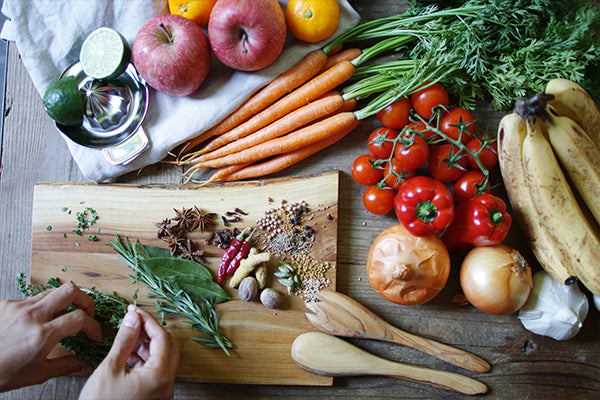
(49, 228)
(92, 238)
(64, 269)
(109, 312)
(506, 48)
(174, 299)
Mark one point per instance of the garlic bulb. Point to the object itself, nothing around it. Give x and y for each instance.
(554, 309)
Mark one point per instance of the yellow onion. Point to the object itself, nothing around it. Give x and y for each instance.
(496, 279)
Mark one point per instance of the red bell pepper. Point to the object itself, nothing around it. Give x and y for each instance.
(424, 206)
(480, 221)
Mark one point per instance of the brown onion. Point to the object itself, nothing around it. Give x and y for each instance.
(407, 269)
(496, 279)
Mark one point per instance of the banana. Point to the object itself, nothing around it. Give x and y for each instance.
(567, 227)
(578, 156)
(571, 100)
(511, 133)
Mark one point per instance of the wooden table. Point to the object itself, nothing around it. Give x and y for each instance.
(524, 365)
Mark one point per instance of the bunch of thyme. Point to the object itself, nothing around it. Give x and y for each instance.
(109, 312)
(172, 299)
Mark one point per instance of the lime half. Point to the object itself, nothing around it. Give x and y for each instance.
(104, 54)
(64, 102)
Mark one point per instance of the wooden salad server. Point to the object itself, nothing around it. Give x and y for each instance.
(323, 354)
(340, 315)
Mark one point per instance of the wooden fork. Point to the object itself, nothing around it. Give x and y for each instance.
(340, 315)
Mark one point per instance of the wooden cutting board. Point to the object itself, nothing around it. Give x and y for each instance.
(261, 337)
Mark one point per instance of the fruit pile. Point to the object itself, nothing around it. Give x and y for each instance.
(549, 152)
(172, 52)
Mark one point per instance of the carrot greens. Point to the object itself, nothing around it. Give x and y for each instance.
(507, 49)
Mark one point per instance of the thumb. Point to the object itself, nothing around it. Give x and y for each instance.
(126, 339)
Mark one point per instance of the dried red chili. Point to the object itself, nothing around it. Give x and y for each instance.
(241, 254)
(229, 256)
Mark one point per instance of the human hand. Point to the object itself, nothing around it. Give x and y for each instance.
(145, 345)
(32, 327)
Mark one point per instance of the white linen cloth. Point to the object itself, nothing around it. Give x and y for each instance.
(49, 33)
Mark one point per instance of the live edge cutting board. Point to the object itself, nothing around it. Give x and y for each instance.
(261, 337)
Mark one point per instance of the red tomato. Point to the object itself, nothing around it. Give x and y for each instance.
(439, 168)
(451, 121)
(393, 172)
(412, 151)
(395, 115)
(418, 126)
(488, 156)
(465, 186)
(379, 201)
(381, 142)
(364, 172)
(424, 100)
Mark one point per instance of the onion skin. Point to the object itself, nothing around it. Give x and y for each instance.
(407, 269)
(496, 279)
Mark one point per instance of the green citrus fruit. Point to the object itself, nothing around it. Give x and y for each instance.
(64, 102)
(104, 54)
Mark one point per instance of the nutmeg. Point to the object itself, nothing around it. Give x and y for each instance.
(248, 288)
(270, 298)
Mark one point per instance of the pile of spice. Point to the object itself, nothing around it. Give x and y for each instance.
(287, 235)
(285, 231)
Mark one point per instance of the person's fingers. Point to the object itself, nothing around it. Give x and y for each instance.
(125, 340)
(72, 323)
(160, 341)
(57, 300)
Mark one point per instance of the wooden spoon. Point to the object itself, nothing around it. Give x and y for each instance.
(340, 315)
(323, 354)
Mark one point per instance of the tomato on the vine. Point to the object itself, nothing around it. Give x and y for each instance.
(396, 115)
(420, 128)
(364, 171)
(465, 187)
(453, 119)
(379, 201)
(440, 169)
(381, 142)
(412, 151)
(395, 173)
(424, 100)
(488, 156)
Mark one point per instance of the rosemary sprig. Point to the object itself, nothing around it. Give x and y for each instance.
(172, 299)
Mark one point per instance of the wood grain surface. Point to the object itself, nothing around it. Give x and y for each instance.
(524, 365)
(261, 336)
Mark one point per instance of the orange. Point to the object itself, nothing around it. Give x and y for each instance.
(312, 20)
(195, 10)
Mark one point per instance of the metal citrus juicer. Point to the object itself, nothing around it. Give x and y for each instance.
(114, 111)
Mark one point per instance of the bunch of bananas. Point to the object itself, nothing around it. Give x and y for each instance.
(549, 156)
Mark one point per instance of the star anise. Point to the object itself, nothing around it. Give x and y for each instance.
(173, 240)
(185, 218)
(203, 220)
(188, 253)
(164, 227)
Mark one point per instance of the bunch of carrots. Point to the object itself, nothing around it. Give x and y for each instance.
(304, 110)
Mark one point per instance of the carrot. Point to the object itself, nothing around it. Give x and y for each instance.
(346, 55)
(284, 160)
(218, 175)
(292, 141)
(310, 91)
(283, 84)
(324, 106)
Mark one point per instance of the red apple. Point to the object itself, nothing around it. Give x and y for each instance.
(247, 35)
(172, 54)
